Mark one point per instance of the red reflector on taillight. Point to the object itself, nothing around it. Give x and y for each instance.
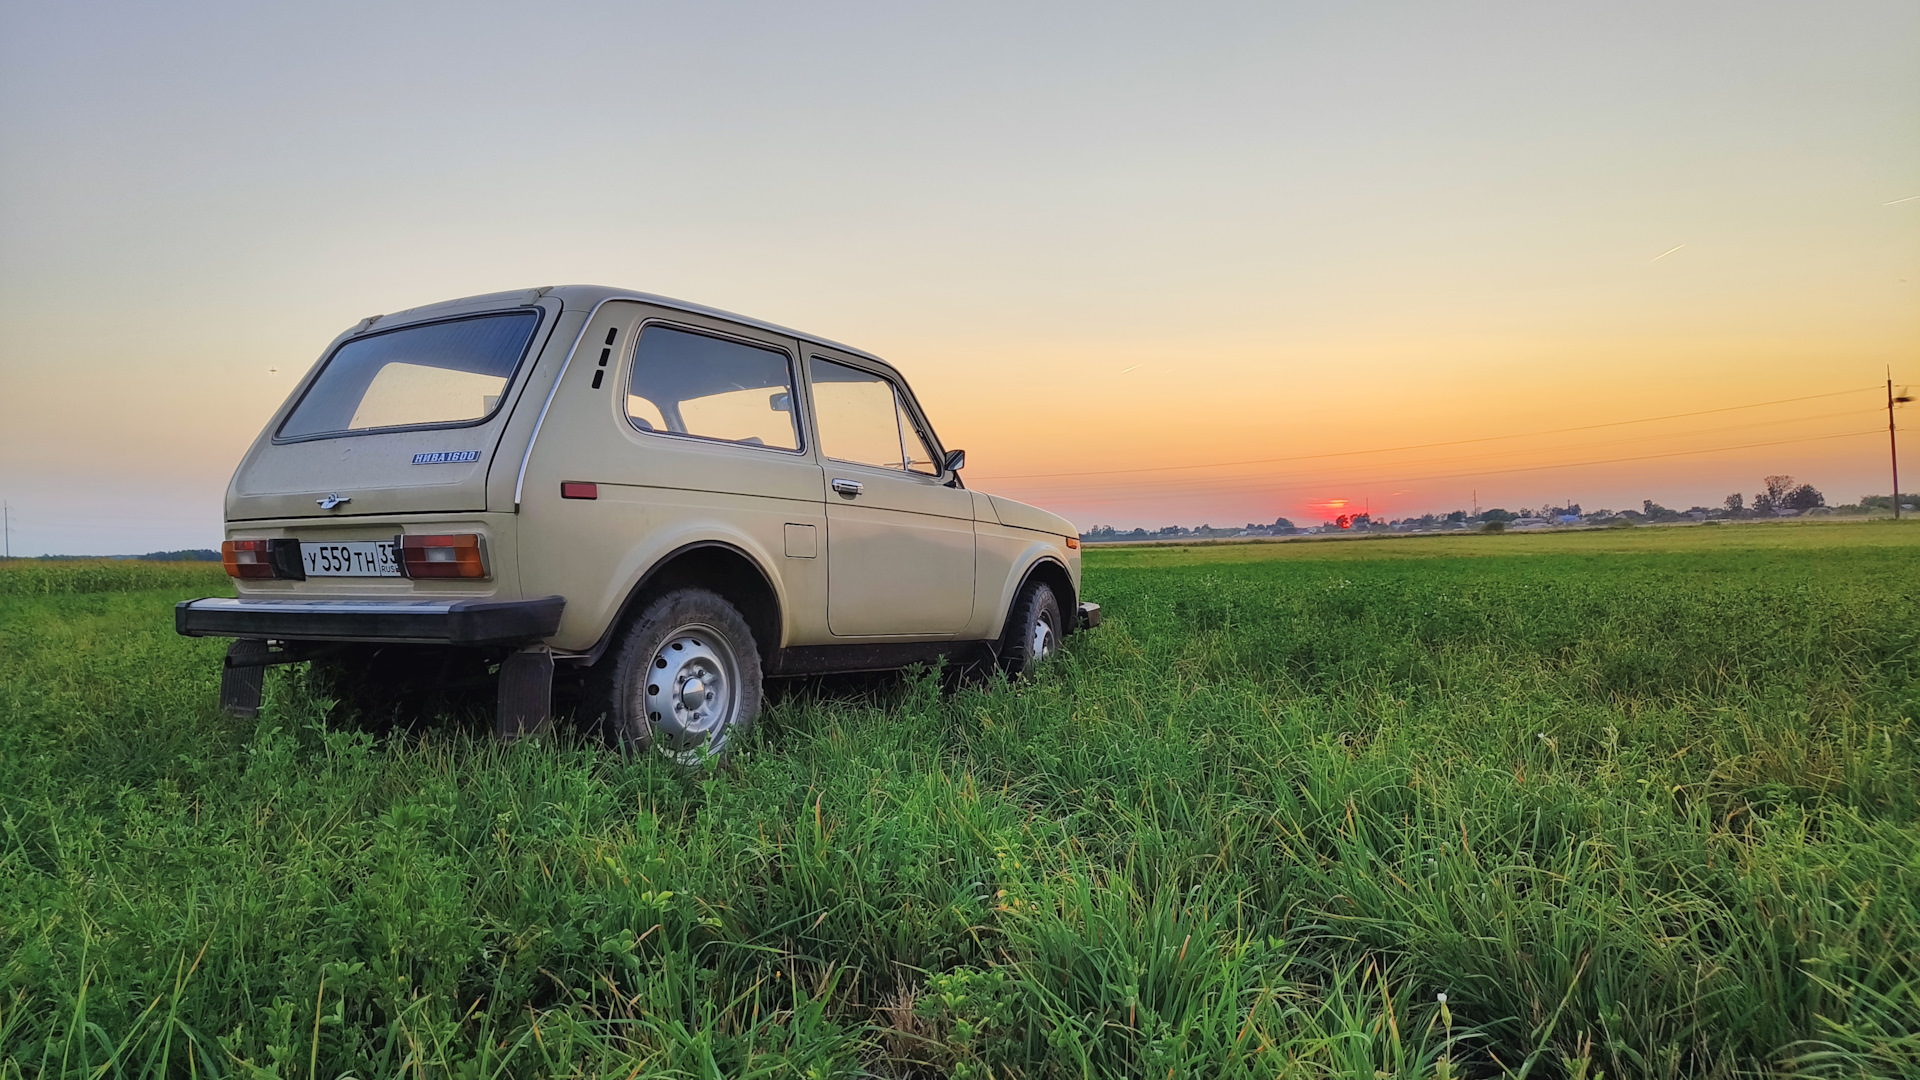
(246, 559)
(579, 489)
(456, 556)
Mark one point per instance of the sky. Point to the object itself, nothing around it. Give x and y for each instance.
(1147, 264)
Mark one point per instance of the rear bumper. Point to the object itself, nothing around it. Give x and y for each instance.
(427, 622)
(1089, 616)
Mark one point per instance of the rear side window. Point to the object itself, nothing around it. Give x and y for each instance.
(712, 388)
(452, 372)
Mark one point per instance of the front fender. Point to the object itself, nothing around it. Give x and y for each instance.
(1031, 556)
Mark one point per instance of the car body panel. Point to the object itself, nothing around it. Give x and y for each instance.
(900, 555)
(1007, 556)
(1022, 516)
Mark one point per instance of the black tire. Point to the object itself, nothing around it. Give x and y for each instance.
(655, 689)
(1034, 630)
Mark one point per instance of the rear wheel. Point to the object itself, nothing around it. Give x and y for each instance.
(1034, 629)
(683, 679)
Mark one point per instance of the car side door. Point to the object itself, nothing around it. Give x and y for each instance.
(900, 536)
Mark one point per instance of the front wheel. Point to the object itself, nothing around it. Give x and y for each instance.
(683, 679)
(1034, 629)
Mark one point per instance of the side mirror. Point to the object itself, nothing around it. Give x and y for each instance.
(782, 401)
(956, 460)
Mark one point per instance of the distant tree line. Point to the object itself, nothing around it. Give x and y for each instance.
(1780, 496)
(1280, 527)
(182, 555)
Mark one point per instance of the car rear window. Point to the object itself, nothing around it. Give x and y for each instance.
(451, 372)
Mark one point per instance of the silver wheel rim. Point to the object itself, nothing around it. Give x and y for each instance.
(691, 692)
(1041, 646)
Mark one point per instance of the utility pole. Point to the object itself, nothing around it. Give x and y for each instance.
(1893, 447)
(6, 514)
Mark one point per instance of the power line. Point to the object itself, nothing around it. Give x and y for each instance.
(1525, 468)
(1429, 446)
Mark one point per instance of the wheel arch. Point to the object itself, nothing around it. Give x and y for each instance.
(725, 569)
(1054, 574)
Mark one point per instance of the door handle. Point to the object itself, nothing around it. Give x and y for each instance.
(848, 487)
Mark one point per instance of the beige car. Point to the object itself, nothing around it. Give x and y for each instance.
(673, 501)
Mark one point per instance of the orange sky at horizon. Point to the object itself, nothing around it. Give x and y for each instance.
(1147, 269)
(1431, 450)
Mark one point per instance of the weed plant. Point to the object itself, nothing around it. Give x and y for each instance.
(1636, 804)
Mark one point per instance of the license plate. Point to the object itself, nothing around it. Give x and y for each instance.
(359, 558)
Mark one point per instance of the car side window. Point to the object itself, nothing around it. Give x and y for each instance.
(862, 419)
(712, 388)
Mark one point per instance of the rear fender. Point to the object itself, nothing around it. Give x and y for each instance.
(642, 570)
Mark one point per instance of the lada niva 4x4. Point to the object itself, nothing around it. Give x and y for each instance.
(677, 500)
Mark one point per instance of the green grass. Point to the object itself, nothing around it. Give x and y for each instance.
(1640, 803)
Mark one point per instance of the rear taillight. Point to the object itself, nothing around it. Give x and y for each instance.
(457, 556)
(246, 559)
(263, 559)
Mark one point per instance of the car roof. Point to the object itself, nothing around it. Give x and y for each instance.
(588, 297)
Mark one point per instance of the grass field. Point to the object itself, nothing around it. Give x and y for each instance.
(1637, 802)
